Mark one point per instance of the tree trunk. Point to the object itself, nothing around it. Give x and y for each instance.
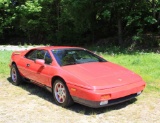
(120, 41)
(159, 20)
(58, 13)
(154, 7)
(57, 17)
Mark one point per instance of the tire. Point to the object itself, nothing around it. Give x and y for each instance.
(61, 94)
(15, 75)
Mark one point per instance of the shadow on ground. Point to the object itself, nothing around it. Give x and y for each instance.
(78, 108)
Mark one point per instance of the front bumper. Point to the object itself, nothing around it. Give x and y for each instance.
(96, 104)
(94, 98)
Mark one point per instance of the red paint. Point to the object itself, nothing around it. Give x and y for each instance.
(88, 81)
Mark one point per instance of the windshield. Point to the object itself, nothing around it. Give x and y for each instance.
(75, 56)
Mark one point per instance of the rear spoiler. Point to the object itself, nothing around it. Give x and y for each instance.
(16, 53)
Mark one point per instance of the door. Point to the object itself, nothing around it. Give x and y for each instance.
(43, 74)
(34, 71)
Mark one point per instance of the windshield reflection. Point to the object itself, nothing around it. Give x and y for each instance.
(75, 56)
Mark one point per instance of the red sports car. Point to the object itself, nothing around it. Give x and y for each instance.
(75, 74)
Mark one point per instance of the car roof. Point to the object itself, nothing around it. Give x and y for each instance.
(57, 47)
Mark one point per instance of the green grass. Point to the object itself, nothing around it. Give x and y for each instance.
(4, 62)
(145, 64)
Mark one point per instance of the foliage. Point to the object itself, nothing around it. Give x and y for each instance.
(6, 15)
(77, 22)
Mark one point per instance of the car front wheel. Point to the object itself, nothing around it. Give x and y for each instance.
(15, 75)
(61, 94)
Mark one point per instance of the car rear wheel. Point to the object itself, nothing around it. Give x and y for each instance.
(61, 94)
(15, 75)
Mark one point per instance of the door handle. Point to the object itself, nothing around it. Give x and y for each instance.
(28, 65)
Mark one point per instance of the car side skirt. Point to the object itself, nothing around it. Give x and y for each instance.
(96, 104)
(38, 84)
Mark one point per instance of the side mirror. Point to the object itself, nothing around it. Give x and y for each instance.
(40, 62)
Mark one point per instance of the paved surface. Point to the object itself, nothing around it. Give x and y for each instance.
(15, 48)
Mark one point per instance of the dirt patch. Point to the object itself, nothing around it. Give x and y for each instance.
(29, 103)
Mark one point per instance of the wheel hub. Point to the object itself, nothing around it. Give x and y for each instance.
(60, 92)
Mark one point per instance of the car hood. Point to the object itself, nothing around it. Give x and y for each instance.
(102, 75)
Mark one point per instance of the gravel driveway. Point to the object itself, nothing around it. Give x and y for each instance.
(31, 104)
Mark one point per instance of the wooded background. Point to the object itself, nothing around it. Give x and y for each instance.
(80, 22)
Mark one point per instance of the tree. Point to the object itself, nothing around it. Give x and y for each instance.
(78, 22)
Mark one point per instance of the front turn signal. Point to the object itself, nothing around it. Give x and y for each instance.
(105, 97)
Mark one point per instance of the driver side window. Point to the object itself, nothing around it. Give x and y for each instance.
(40, 54)
(31, 55)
